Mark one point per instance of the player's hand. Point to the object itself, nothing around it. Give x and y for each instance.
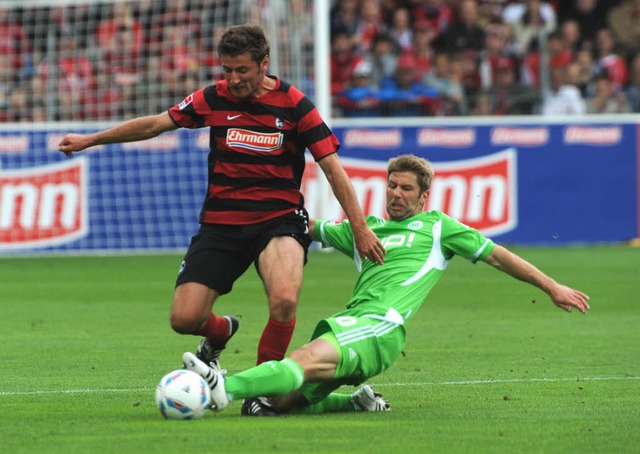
(567, 298)
(73, 142)
(369, 246)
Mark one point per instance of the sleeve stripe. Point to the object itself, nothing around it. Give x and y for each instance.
(475, 256)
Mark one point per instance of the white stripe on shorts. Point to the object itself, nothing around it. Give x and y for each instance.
(365, 332)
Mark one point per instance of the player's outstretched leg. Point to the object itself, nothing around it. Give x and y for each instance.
(368, 400)
(212, 375)
(208, 352)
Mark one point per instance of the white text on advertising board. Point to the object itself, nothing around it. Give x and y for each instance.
(43, 206)
(479, 192)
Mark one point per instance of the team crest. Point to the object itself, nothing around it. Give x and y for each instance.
(415, 225)
(279, 123)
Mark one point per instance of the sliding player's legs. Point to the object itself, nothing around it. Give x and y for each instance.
(366, 347)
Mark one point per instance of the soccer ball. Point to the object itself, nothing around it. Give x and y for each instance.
(183, 394)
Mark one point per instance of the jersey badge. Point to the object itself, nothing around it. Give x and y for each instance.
(279, 123)
(188, 100)
(415, 225)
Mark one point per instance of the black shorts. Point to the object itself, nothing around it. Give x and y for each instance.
(219, 254)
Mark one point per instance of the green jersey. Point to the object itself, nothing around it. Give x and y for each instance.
(418, 251)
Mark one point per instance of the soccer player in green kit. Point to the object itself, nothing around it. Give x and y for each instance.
(365, 339)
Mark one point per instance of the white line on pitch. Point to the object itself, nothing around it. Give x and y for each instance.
(511, 380)
(72, 391)
(461, 382)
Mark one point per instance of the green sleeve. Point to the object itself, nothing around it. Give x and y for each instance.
(336, 235)
(462, 240)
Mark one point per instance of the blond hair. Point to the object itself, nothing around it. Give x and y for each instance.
(415, 164)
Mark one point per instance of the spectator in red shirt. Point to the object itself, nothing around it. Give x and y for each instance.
(570, 34)
(559, 54)
(422, 47)
(120, 18)
(155, 18)
(75, 77)
(13, 39)
(508, 95)
(369, 25)
(607, 60)
(633, 89)
(436, 12)
(496, 48)
(123, 58)
(343, 60)
(178, 54)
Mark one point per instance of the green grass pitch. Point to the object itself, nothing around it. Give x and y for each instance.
(491, 365)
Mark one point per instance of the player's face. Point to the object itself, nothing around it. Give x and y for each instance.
(243, 75)
(403, 196)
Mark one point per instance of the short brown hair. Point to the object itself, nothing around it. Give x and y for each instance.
(411, 163)
(239, 39)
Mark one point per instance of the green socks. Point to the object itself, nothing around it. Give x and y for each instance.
(272, 378)
(333, 403)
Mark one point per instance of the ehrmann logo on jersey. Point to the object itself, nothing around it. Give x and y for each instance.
(252, 140)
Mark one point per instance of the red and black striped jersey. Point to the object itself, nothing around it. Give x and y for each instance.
(257, 145)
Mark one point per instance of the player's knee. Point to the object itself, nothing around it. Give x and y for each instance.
(183, 323)
(283, 307)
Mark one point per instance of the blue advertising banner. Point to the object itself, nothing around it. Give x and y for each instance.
(569, 183)
(520, 183)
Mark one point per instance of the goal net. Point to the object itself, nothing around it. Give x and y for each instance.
(79, 65)
(104, 60)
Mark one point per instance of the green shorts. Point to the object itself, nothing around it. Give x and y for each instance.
(367, 345)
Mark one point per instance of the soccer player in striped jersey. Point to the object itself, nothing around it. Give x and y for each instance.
(364, 340)
(260, 127)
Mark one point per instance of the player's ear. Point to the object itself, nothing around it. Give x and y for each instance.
(264, 64)
(424, 197)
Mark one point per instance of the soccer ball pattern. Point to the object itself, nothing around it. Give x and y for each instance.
(182, 394)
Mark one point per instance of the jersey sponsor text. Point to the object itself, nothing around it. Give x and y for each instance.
(252, 140)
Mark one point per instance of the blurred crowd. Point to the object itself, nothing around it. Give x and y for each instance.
(110, 61)
(90, 61)
(485, 57)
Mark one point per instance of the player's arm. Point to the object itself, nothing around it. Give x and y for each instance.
(562, 296)
(367, 242)
(130, 131)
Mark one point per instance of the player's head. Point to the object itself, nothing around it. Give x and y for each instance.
(244, 57)
(408, 182)
(240, 39)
